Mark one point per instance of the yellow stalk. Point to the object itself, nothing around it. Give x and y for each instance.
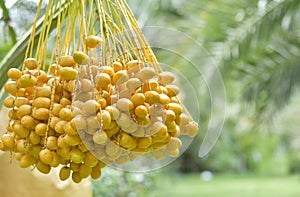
(84, 25)
(47, 37)
(31, 40)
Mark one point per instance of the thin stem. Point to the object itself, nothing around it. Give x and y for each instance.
(31, 40)
(84, 25)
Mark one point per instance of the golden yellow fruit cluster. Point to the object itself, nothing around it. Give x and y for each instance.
(40, 132)
(84, 116)
(127, 110)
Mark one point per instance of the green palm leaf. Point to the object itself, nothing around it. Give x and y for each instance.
(263, 54)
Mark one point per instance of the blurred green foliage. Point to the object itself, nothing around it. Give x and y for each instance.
(118, 183)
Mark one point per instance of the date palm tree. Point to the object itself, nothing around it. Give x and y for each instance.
(256, 45)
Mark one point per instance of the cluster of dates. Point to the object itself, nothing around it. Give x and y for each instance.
(81, 116)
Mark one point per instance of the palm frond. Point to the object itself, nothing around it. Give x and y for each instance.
(264, 53)
(270, 82)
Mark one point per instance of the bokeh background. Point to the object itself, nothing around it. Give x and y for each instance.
(256, 47)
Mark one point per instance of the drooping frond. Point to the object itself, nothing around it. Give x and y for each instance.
(263, 54)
